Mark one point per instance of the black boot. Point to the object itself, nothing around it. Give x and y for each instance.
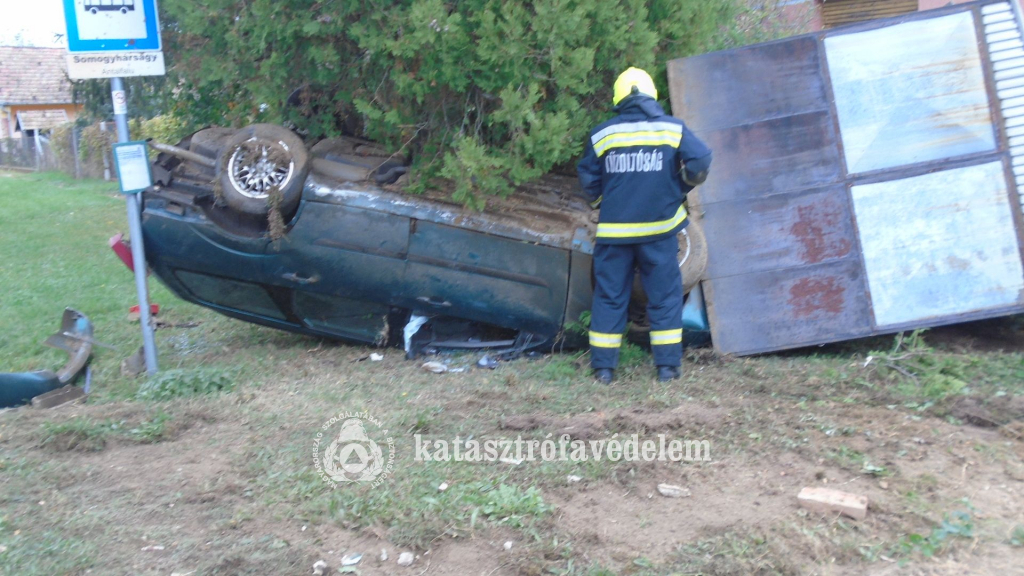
(667, 373)
(604, 375)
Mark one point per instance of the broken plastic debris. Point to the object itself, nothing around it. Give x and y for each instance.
(374, 357)
(435, 367)
(351, 559)
(487, 362)
(411, 328)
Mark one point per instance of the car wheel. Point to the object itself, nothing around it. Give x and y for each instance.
(93, 11)
(693, 264)
(258, 159)
(124, 10)
(693, 254)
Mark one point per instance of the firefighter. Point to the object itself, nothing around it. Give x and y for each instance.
(638, 167)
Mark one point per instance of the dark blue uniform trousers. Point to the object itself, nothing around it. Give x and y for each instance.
(614, 265)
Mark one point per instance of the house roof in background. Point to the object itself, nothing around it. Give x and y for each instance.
(41, 119)
(33, 76)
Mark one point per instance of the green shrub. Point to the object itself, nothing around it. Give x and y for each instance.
(485, 94)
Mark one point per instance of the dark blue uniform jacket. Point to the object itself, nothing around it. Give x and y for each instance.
(639, 166)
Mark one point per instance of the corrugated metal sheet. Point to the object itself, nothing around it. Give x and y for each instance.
(863, 192)
(839, 12)
(1005, 46)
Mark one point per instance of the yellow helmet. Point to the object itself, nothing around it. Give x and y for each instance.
(630, 78)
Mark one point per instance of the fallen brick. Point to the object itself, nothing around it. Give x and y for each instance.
(828, 501)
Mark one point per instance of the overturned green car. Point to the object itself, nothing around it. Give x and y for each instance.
(360, 260)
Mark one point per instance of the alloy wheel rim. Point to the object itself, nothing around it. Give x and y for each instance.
(257, 166)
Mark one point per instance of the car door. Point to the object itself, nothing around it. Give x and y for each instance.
(344, 267)
(484, 277)
(203, 262)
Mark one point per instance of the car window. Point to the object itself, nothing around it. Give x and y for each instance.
(234, 294)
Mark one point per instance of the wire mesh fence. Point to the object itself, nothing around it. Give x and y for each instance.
(82, 152)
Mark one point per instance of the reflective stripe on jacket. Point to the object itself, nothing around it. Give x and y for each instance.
(639, 166)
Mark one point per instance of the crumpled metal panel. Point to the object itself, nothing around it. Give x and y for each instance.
(899, 119)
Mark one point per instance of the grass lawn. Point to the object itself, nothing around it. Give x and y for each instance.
(208, 467)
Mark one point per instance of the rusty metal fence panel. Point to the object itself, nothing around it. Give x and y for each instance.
(864, 178)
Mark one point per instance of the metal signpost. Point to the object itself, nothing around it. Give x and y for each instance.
(115, 39)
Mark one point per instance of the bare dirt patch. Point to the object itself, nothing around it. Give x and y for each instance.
(695, 417)
(226, 485)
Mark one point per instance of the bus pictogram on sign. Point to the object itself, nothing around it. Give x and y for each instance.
(97, 6)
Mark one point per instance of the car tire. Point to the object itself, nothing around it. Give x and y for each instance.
(693, 254)
(693, 264)
(257, 158)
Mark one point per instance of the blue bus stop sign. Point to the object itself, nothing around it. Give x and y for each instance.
(112, 25)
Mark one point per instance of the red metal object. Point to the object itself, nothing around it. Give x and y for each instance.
(123, 251)
(154, 309)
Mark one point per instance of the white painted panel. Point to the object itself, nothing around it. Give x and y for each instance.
(1011, 83)
(1000, 17)
(1000, 36)
(995, 8)
(1007, 64)
(1007, 54)
(939, 244)
(1009, 111)
(1000, 27)
(928, 104)
(1012, 102)
(1005, 45)
(1015, 121)
(1012, 73)
(1011, 92)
